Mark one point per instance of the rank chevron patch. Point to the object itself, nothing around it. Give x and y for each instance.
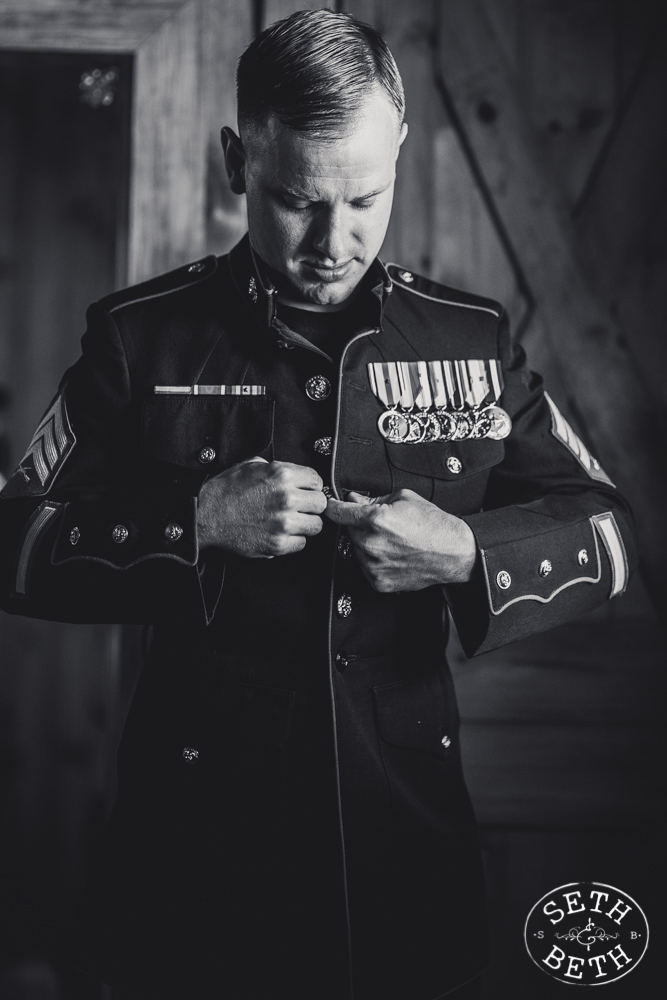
(51, 444)
(561, 429)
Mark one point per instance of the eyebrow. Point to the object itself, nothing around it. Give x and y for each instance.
(304, 197)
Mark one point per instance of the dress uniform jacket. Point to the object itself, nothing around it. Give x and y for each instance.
(291, 813)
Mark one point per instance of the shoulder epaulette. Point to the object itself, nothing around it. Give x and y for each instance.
(164, 284)
(434, 291)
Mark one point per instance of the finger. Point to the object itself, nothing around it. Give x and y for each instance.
(361, 498)
(342, 512)
(301, 476)
(310, 501)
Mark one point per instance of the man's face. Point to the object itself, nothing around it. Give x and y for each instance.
(318, 211)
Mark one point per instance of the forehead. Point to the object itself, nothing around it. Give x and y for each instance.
(366, 150)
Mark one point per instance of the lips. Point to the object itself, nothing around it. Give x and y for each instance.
(328, 273)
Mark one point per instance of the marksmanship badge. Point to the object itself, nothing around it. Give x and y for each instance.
(429, 401)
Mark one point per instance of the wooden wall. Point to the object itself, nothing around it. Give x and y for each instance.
(533, 172)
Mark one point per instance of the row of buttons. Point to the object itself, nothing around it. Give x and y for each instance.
(120, 534)
(504, 580)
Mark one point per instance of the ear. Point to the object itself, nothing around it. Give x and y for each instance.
(401, 138)
(234, 153)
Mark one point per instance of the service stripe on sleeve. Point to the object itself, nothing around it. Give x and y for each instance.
(613, 543)
(34, 530)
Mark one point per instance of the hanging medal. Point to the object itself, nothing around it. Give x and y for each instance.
(383, 378)
(406, 400)
(500, 422)
(424, 415)
(456, 397)
(446, 421)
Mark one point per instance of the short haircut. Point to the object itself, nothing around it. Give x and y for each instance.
(313, 71)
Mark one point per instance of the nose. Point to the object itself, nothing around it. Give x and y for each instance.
(329, 235)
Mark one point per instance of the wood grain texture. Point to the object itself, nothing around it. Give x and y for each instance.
(226, 30)
(166, 223)
(67, 26)
(597, 366)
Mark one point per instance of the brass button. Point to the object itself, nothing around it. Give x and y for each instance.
(190, 755)
(406, 276)
(344, 606)
(446, 742)
(318, 387)
(545, 567)
(120, 534)
(197, 267)
(582, 557)
(252, 289)
(74, 535)
(323, 446)
(207, 454)
(454, 464)
(343, 660)
(504, 580)
(173, 532)
(345, 547)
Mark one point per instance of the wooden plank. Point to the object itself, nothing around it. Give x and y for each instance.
(227, 28)
(166, 226)
(82, 28)
(589, 670)
(629, 180)
(605, 388)
(549, 776)
(566, 67)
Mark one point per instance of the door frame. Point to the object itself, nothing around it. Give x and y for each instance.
(166, 222)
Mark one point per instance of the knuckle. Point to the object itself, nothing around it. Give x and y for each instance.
(282, 522)
(279, 472)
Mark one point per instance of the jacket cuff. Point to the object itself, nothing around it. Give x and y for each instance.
(527, 584)
(108, 532)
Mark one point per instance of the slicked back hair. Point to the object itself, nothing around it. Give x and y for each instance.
(313, 71)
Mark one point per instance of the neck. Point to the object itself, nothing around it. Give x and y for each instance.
(287, 296)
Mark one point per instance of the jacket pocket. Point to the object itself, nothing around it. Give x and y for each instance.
(207, 433)
(451, 474)
(418, 714)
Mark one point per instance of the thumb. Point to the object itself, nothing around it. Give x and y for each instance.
(359, 498)
(255, 458)
(342, 512)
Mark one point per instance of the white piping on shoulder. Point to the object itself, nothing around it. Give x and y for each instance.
(156, 295)
(444, 302)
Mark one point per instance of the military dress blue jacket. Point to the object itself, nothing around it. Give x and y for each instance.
(291, 812)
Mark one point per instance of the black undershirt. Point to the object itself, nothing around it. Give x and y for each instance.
(330, 331)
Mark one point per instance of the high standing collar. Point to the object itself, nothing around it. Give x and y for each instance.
(262, 295)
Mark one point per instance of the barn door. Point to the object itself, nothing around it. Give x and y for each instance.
(101, 184)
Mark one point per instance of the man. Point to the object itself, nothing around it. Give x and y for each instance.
(292, 460)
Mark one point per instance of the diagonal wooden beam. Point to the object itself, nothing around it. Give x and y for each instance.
(624, 424)
(611, 220)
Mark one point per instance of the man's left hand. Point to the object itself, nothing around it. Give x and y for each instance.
(404, 542)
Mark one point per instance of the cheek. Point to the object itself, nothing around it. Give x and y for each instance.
(274, 233)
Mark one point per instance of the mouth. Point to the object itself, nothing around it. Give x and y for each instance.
(328, 272)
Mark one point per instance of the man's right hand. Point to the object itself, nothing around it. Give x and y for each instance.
(260, 509)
